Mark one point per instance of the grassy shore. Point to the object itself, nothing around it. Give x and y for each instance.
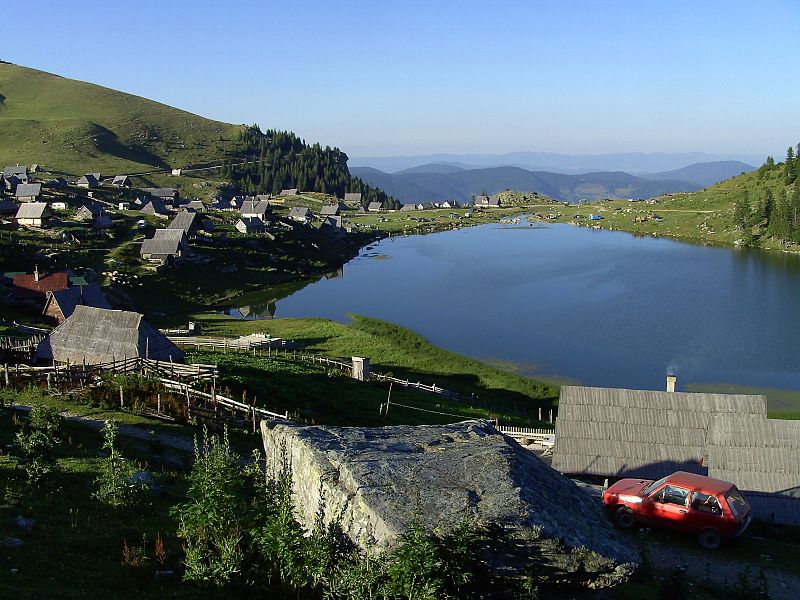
(405, 354)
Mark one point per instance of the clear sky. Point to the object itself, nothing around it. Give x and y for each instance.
(376, 77)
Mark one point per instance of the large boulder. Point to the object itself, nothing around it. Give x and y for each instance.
(375, 481)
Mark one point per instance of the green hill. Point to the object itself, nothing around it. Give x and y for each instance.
(73, 127)
(760, 209)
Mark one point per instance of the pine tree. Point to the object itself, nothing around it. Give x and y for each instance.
(741, 212)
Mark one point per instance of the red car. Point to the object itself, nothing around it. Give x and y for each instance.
(711, 509)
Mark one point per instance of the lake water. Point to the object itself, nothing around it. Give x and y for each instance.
(592, 306)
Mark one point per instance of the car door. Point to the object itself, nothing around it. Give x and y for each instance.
(669, 507)
(705, 511)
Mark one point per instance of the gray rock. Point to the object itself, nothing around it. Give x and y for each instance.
(375, 481)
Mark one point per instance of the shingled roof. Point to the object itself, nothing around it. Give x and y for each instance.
(28, 190)
(352, 197)
(165, 242)
(762, 457)
(639, 433)
(185, 221)
(33, 210)
(68, 299)
(98, 335)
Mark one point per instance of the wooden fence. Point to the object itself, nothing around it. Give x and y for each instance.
(23, 345)
(76, 373)
(520, 433)
(233, 344)
(248, 411)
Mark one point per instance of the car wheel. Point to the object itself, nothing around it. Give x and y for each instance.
(623, 518)
(710, 539)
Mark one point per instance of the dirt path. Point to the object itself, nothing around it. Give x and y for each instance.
(174, 442)
(721, 569)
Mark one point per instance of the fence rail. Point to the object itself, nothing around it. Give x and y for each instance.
(234, 344)
(85, 372)
(519, 433)
(250, 410)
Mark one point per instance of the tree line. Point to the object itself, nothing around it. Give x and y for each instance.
(271, 161)
(775, 215)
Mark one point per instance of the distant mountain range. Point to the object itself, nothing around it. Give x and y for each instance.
(441, 181)
(634, 163)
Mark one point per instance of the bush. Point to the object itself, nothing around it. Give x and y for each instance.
(212, 520)
(37, 441)
(115, 485)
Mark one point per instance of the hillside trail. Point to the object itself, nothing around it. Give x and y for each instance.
(179, 449)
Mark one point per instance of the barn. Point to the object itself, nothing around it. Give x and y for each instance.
(98, 335)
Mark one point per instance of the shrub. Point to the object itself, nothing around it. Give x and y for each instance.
(115, 486)
(37, 441)
(211, 520)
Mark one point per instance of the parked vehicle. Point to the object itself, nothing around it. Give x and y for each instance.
(711, 509)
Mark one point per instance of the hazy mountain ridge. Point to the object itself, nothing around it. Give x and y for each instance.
(630, 162)
(462, 185)
(704, 174)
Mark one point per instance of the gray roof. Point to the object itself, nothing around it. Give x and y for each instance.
(249, 225)
(68, 299)
(165, 242)
(299, 212)
(99, 335)
(479, 200)
(154, 206)
(33, 210)
(15, 170)
(28, 189)
(333, 222)
(120, 180)
(254, 207)
(162, 193)
(639, 433)
(375, 206)
(352, 197)
(289, 192)
(88, 211)
(408, 207)
(329, 210)
(90, 179)
(196, 205)
(762, 458)
(185, 221)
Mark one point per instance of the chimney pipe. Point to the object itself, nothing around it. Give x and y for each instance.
(671, 383)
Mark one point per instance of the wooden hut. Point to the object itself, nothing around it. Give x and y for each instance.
(762, 458)
(98, 335)
(639, 433)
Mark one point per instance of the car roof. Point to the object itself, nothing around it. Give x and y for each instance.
(699, 482)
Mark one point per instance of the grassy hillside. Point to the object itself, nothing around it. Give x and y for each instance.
(708, 215)
(72, 127)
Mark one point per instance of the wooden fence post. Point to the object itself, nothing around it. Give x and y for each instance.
(121, 398)
(6, 373)
(159, 403)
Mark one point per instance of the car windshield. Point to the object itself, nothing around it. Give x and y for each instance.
(737, 502)
(646, 491)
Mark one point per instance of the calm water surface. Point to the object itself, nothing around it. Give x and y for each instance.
(602, 308)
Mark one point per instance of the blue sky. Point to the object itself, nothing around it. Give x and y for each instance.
(380, 78)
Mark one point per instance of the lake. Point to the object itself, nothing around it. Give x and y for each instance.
(591, 306)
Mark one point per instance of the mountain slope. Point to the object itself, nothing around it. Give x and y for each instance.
(443, 168)
(629, 162)
(71, 126)
(704, 174)
(462, 185)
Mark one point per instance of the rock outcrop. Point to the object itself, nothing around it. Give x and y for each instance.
(375, 481)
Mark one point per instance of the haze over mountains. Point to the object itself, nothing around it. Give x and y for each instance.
(441, 181)
(634, 163)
